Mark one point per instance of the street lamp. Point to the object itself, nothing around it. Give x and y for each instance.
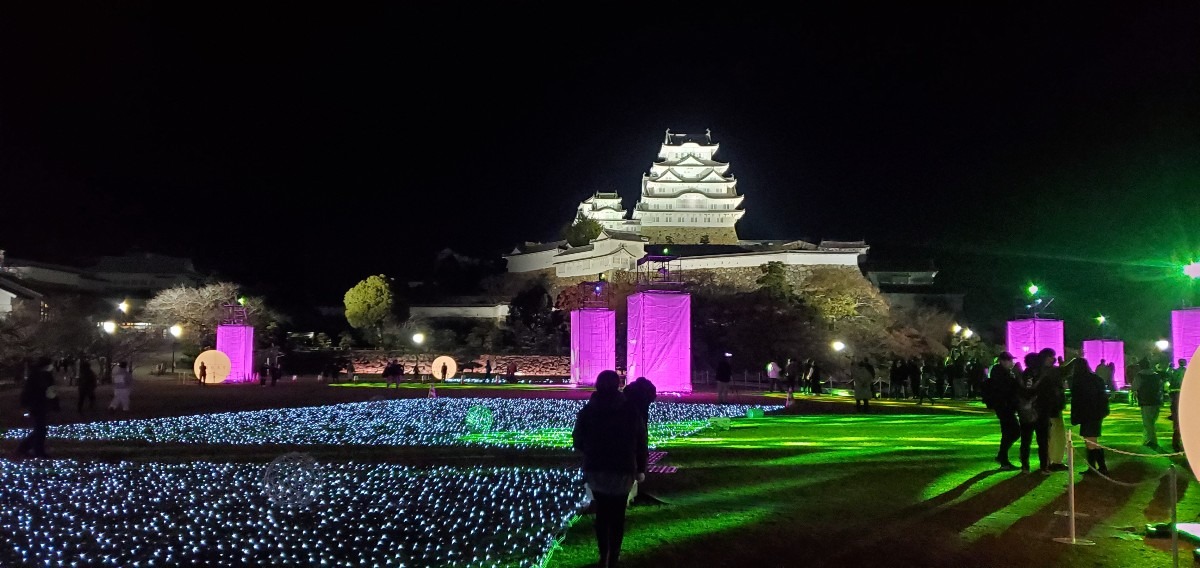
(838, 346)
(109, 327)
(955, 328)
(967, 333)
(1162, 344)
(123, 306)
(176, 331)
(418, 338)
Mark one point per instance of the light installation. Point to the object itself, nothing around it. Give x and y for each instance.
(1032, 335)
(237, 343)
(526, 423)
(216, 514)
(1185, 333)
(1110, 351)
(660, 340)
(593, 344)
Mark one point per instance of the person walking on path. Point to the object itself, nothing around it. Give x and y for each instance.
(724, 376)
(610, 434)
(1089, 407)
(35, 397)
(122, 386)
(1000, 395)
(87, 386)
(1148, 384)
(1034, 423)
(863, 377)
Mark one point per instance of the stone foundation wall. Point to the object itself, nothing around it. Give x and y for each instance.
(372, 362)
(690, 235)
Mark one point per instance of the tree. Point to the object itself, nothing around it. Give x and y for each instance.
(842, 293)
(774, 280)
(704, 239)
(370, 305)
(200, 310)
(582, 231)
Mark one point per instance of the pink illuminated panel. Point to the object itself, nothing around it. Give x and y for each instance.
(1111, 351)
(593, 344)
(1185, 333)
(237, 342)
(660, 340)
(1032, 335)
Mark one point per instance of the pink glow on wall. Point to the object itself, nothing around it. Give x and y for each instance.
(1111, 351)
(593, 344)
(1185, 333)
(1032, 335)
(237, 342)
(660, 340)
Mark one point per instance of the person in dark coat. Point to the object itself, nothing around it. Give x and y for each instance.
(35, 398)
(87, 386)
(1000, 395)
(611, 435)
(1089, 407)
(724, 376)
(1034, 423)
(641, 394)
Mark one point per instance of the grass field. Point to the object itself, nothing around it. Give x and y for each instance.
(816, 485)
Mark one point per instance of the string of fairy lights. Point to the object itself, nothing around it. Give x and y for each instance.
(522, 423)
(75, 514)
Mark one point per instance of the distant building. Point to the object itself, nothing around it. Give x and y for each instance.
(604, 208)
(12, 293)
(912, 285)
(688, 196)
(130, 276)
(462, 307)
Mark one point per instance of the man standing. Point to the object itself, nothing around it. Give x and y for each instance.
(1149, 388)
(203, 373)
(1105, 373)
(35, 399)
(1000, 395)
(487, 370)
(87, 386)
(724, 376)
(122, 385)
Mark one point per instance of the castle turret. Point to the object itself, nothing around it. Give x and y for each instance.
(604, 208)
(687, 196)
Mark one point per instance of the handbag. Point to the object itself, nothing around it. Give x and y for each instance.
(1027, 409)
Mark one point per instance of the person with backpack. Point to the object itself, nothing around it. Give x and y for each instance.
(1000, 394)
(1149, 386)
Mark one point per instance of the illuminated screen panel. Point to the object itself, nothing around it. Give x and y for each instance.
(237, 342)
(660, 340)
(1109, 350)
(593, 344)
(1032, 335)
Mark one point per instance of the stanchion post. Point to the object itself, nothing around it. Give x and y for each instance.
(1071, 494)
(1174, 530)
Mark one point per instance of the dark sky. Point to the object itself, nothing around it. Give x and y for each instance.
(1057, 142)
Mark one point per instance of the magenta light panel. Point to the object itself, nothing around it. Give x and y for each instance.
(1032, 335)
(660, 340)
(1185, 333)
(237, 342)
(593, 344)
(1110, 351)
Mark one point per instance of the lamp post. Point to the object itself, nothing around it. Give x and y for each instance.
(110, 328)
(176, 331)
(418, 339)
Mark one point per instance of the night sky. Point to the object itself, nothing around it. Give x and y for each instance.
(304, 150)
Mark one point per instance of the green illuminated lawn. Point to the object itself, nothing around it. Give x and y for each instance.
(886, 490)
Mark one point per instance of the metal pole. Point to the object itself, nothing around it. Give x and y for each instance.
(1174, 530)
(1071, 493)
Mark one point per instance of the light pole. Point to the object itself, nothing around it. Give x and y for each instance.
(176, 331)
(417, 339)
(110, 328)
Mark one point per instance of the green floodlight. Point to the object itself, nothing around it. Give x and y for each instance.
(1101, 319)
(1033, 289)
(242, 300)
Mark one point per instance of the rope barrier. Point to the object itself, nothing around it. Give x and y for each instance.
(1155, 455)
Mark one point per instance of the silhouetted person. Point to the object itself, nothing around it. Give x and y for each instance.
(724, 376)
(35, 399)
(487, 370)
(610, 434)
(203, 373)
(641, 394)
(862, 375)
(87, 386)
(445, 371)
(1034, 422)
(1089, 407)
(1000, 394)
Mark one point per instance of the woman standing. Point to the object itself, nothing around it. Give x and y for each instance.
(610, 433)
(1089, 407)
